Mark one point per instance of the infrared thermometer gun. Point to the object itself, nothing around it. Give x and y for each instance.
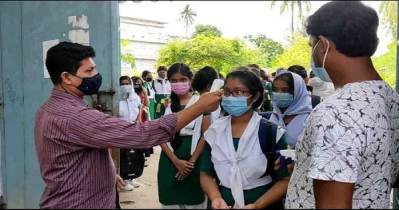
(288, 153)
(216, 85)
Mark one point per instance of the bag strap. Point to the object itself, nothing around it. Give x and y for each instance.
(267, 140)
(315, 100)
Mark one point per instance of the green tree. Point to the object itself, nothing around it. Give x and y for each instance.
(290, 5)
(207, 30)
(389, 11)
(221, 53)
(270, 48)
(127, 54)
(386, 65)
(187, 16)
(298, 53)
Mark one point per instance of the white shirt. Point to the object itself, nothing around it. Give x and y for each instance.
(321, 88)
(351, 137)
(129, 109)
(162, 86)
(151, 94)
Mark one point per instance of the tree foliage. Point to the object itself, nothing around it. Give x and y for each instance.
(290, 5)
(221, 53)
(207, 30)
(386, 65)
(127, 54)
(298, 53)
(269, 48)
(187, 16)
(389, 11)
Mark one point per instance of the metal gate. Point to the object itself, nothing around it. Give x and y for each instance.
(27, 29)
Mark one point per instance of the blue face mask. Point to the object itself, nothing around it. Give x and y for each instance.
(282, 100)
(235, 106)
(320, 72)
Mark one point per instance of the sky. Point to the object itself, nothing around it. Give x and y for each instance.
(233, 18)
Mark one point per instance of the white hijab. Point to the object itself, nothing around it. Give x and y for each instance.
(129, 107)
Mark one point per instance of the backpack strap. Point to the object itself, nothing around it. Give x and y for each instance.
(315, 100)
(153, 85)
(267, 141)
(266, 114)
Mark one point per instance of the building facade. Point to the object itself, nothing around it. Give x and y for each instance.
(146, 37)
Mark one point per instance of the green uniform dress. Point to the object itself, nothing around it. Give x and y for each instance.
(187, 191)
(160, 105)
(250, 196)
(152, 101)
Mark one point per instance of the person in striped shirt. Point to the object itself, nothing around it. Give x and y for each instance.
(73, 140)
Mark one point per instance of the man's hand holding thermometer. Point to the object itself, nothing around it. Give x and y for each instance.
(216, 85)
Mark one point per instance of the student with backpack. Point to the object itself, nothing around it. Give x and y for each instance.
(240, 150)
(162, 90)
(131, 162)
(291, 105)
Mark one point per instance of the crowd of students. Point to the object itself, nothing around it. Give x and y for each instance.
(228, 158)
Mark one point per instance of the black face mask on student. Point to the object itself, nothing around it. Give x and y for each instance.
(138, 88)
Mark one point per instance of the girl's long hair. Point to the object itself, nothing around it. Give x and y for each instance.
(175, 101)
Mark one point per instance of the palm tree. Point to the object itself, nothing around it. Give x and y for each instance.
(286, 5)
(389, 11)
(187, 15)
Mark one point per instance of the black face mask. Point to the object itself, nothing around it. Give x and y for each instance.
(90, 85)
(138, 88)
(149, 79)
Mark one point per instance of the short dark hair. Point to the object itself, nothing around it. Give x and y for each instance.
(123, 78)
(254, 70)
(162, 68)
(66, 57)
(203, 78)
(254, 65)
(300, 70)
(145, 73)
(250, 80)
(221, 76)
(351, 25)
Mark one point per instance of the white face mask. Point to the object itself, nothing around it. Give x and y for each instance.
(320, 71)
(125, 89)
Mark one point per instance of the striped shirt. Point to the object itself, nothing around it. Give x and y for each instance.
(72, 142)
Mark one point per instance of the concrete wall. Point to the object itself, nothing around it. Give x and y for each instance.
(24, 26)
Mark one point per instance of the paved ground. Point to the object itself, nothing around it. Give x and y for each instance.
(146, 196)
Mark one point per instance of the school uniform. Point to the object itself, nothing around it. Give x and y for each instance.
(162, 90)
(186, 193)
(129, 111)
(238, 164)
(301, 106)
(151, 97)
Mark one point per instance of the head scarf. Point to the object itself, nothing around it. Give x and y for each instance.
(300, 104)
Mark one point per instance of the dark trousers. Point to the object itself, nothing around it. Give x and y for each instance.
(118, 206)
